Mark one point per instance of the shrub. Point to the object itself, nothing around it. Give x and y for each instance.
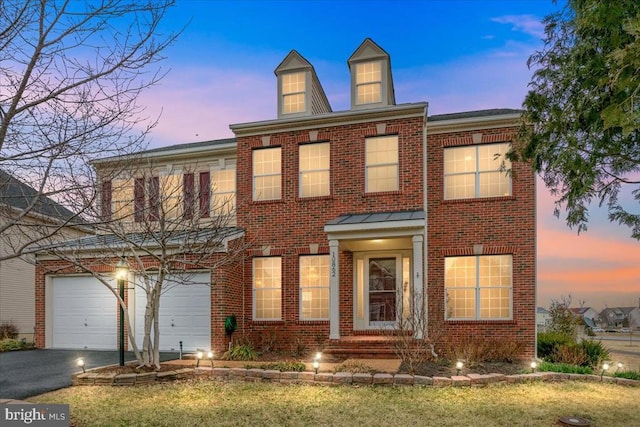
(281, 366)
(484, 350)
(595, 352)
(572, 354)
(565, 368)
(8, 330)
(9, 344)
(549, 341)
(354, 368)
(243, 352)
(630, 375)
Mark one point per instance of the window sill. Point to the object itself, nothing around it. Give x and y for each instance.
(267, 322)
(267, 202)
(481, 322)
(478, 199)
(313, 322)
(313, 198)
(383, 193)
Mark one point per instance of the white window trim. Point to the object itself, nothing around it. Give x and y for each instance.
(214, 193)
(283, 94)
(476, 175)
(301, 171)
(477, 289)
(300, 288)
(253, 291)
(367, 167)
(256, 195)
(357, 85)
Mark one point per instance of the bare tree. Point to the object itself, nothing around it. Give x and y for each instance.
(70, 76)
(166, 229)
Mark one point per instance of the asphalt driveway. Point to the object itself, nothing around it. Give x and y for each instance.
(28, 373)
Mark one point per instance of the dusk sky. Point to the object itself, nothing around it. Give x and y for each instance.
(456, 55)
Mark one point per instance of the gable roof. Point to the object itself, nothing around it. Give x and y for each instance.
(18, 195)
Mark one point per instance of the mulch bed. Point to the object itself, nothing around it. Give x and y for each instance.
(447, 370)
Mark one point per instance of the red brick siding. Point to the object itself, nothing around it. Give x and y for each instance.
(288, 226)
(503, 225)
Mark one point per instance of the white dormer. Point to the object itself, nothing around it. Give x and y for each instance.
(299, 90)
(371, 81)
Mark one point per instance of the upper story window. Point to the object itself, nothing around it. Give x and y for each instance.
(314, 287)
(477, 171)
(368, 83)
(314, 170)
(381, 164)
(224, 191)
(267, 288)
(267, 174)
(293, 93)
(478, 287)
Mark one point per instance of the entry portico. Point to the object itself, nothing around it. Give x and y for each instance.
(388, 279)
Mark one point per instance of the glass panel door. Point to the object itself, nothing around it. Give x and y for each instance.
(382, 289)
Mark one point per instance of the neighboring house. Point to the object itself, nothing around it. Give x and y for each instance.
(588, 315)
(17, 303)
(543, 319)
(359, 221)
(634, 318)
(616, 317)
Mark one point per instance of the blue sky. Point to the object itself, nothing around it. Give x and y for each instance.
(457, 55)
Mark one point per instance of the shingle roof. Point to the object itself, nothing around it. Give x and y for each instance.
(473, 114)
(19, 195)
(143, 240)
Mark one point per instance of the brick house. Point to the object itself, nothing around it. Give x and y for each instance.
(362, 222)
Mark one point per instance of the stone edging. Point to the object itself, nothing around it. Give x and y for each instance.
(340, 378)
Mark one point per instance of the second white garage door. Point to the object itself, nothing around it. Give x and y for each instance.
(185, 314)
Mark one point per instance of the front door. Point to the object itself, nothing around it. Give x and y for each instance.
(383, 290)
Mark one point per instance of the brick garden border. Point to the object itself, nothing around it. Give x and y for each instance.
(339, 378)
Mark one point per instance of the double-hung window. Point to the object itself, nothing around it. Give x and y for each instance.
(267, 288)
(381, 164)
(476, 171)
(314, 287)
(267, 174)
(224, 191)
(293, 93)
(368, 82)
(314, 170)
(478, 287)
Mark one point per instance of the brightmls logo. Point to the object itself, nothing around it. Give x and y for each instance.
(36, 415)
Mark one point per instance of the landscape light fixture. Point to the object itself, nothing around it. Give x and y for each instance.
(620, 365)
(199, 356)
(210, 357)
(605, 367)
(316, 362)
(122, 271)
(80, 363)
(534, 365)
(459, 366)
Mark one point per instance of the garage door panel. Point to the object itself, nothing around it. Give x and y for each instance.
(84, 314)
(185, 314)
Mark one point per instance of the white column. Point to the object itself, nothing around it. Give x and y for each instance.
(334, 290)
(419, 317)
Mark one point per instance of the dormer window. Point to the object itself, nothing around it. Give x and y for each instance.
(368, 83)
(293, 93)
(371, 82)
(299, 90)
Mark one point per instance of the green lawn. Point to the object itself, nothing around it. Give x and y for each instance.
(204, 402)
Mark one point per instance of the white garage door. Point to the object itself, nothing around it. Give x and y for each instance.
(84, 314)
(185, 313)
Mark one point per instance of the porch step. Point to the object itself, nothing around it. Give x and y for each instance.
(361, 347)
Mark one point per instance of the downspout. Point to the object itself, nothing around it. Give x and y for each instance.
(425, 255)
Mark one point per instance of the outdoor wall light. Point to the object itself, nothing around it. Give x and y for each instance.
(459, 366)
(199, 356)
(80, 363)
